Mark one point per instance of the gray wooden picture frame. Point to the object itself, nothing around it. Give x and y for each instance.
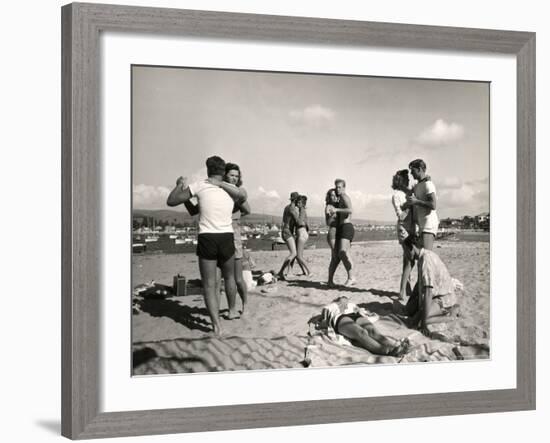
(81, 208)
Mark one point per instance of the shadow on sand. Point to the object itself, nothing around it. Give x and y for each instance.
(185, 315)
(382, 309)
(146, 354)
(308, 284)
(142, 355)
(382, 293)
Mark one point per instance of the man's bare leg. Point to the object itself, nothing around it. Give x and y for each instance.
(291, 245)
(345, 256)
(428, 240)
(207, 270)
(407, 267)
(364, 337)
(219, 284)
(435, 315)
(228, 273)
(334, 262)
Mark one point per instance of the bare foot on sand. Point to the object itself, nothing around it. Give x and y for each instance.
(217, 331)
(331, 284)
(233, 315)
(401, 348)
(350, 282)
(453, 311)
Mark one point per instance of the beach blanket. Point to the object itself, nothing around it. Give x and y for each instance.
(326, 348)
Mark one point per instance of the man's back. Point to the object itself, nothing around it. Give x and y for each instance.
(215, 208)
(289, 214)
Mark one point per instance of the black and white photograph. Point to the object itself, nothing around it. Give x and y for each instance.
(304, 220)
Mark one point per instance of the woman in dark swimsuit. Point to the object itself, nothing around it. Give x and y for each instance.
(331, 218)
(290, 218)
(302, 234)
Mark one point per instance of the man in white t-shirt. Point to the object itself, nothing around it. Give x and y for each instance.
(215, 246)
(423, 202)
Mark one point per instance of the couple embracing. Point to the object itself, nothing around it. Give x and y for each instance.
(338, 212)
(295, 233)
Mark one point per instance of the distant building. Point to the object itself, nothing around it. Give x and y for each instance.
(482, 218)
(450, 223)
(483, 221)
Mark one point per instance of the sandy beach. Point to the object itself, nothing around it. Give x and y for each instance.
(173, 334)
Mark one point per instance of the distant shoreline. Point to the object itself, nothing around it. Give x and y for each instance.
(167, 246)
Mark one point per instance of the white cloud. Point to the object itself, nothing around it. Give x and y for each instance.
(265, 201)
(363, 198)
(462, 196)
(313, 115)
(467, 198)
(363, 203)
(150, 197)
(440, 134)
(263, 193)
(449, 183)
(197, 176)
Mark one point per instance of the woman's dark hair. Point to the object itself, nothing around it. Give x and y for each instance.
(400, 179)
(303, 198)
(234, 167)
(327, 197)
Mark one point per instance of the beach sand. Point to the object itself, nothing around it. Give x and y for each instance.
(173, 335)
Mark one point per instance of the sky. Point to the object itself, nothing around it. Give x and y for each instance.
(299, 132)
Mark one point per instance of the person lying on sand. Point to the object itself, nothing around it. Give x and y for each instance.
(435, 295)
(357, 324)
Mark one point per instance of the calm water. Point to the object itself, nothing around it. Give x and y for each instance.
(167, 245)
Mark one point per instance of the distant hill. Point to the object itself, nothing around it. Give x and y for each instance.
(171, 216)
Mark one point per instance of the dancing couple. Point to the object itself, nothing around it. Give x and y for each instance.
(338, 210)
(295, 233)
(416, 214)
(219, 241)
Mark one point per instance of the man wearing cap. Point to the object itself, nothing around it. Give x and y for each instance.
(290, 218)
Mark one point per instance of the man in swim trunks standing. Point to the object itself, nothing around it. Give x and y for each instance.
(344, 235)
(215, 240)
